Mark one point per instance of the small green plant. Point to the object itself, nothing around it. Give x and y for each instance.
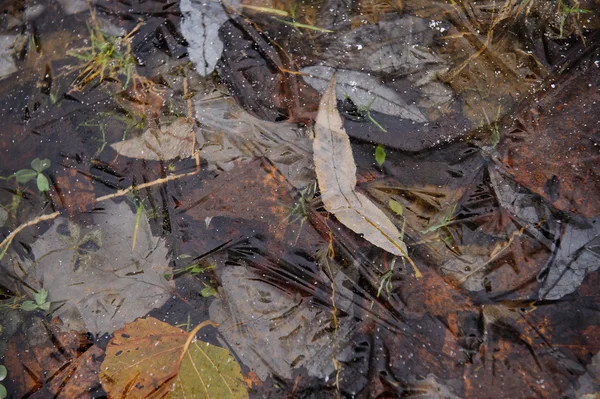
(395, 207)
(366, 109)
(380, 154)
(37, 167)
(41, 302)
(386, 280)
(444, 222)
(208, 291)
(3, 374)
(301, 209)
(565, 12)
(194, 268)
(106, 57)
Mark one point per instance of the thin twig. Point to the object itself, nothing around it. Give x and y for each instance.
(119, 193)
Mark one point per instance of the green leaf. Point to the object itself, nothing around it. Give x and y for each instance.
(42, 183)
(40, 164)
(44, 306)
(29, 306)
(3, 372)
(3, 393)
(41, 296)
(396, 207)
(208, 292)
(380, 154)
(25, 175)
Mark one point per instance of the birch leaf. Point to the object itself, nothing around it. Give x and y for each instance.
(336, 174)
(364, 90)
(152, 359)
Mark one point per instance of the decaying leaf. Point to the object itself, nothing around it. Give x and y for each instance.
(75, 191)
(150, 358)
(364, 90)
(336, 174)
(93, 275)
(230, 135)
(575, 248)
(577, 255)
(201, 29)
(46, 359)
(168, 142)
(393, 45)
(279, 333)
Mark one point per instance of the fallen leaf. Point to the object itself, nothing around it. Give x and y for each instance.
(229, 135)
(168, 142)
(275, 332)
(575, 247)
(364, 90)
(200, 27)
(393, 46)
(149, 358)
(45, 359)
(577, 255)
(93, 275)
(551, 143)
(336, 174)
(75, 191)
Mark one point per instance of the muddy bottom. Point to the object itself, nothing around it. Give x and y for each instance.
(320, 198)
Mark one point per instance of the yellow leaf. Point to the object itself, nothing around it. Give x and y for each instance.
(336, 174)
(149, 358)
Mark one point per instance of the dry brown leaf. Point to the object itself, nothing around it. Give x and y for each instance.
(150, 358)
(336, 174)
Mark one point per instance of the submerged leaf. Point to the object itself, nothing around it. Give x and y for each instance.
(42, 183)
(577, 255)
(336, 174)
(230, 135)
(149, 358)
(171, 141)
(284, 335)
(364, 90)
(91, 273)
(40, 165)
(396, 207)
(25, 175)
(47, 359)
(200, 27)
(380, 154)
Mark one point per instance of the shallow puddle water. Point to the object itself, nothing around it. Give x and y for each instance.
(320, 198)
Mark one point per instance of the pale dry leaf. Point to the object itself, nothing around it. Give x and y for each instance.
(168, 142)
(336, 174)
